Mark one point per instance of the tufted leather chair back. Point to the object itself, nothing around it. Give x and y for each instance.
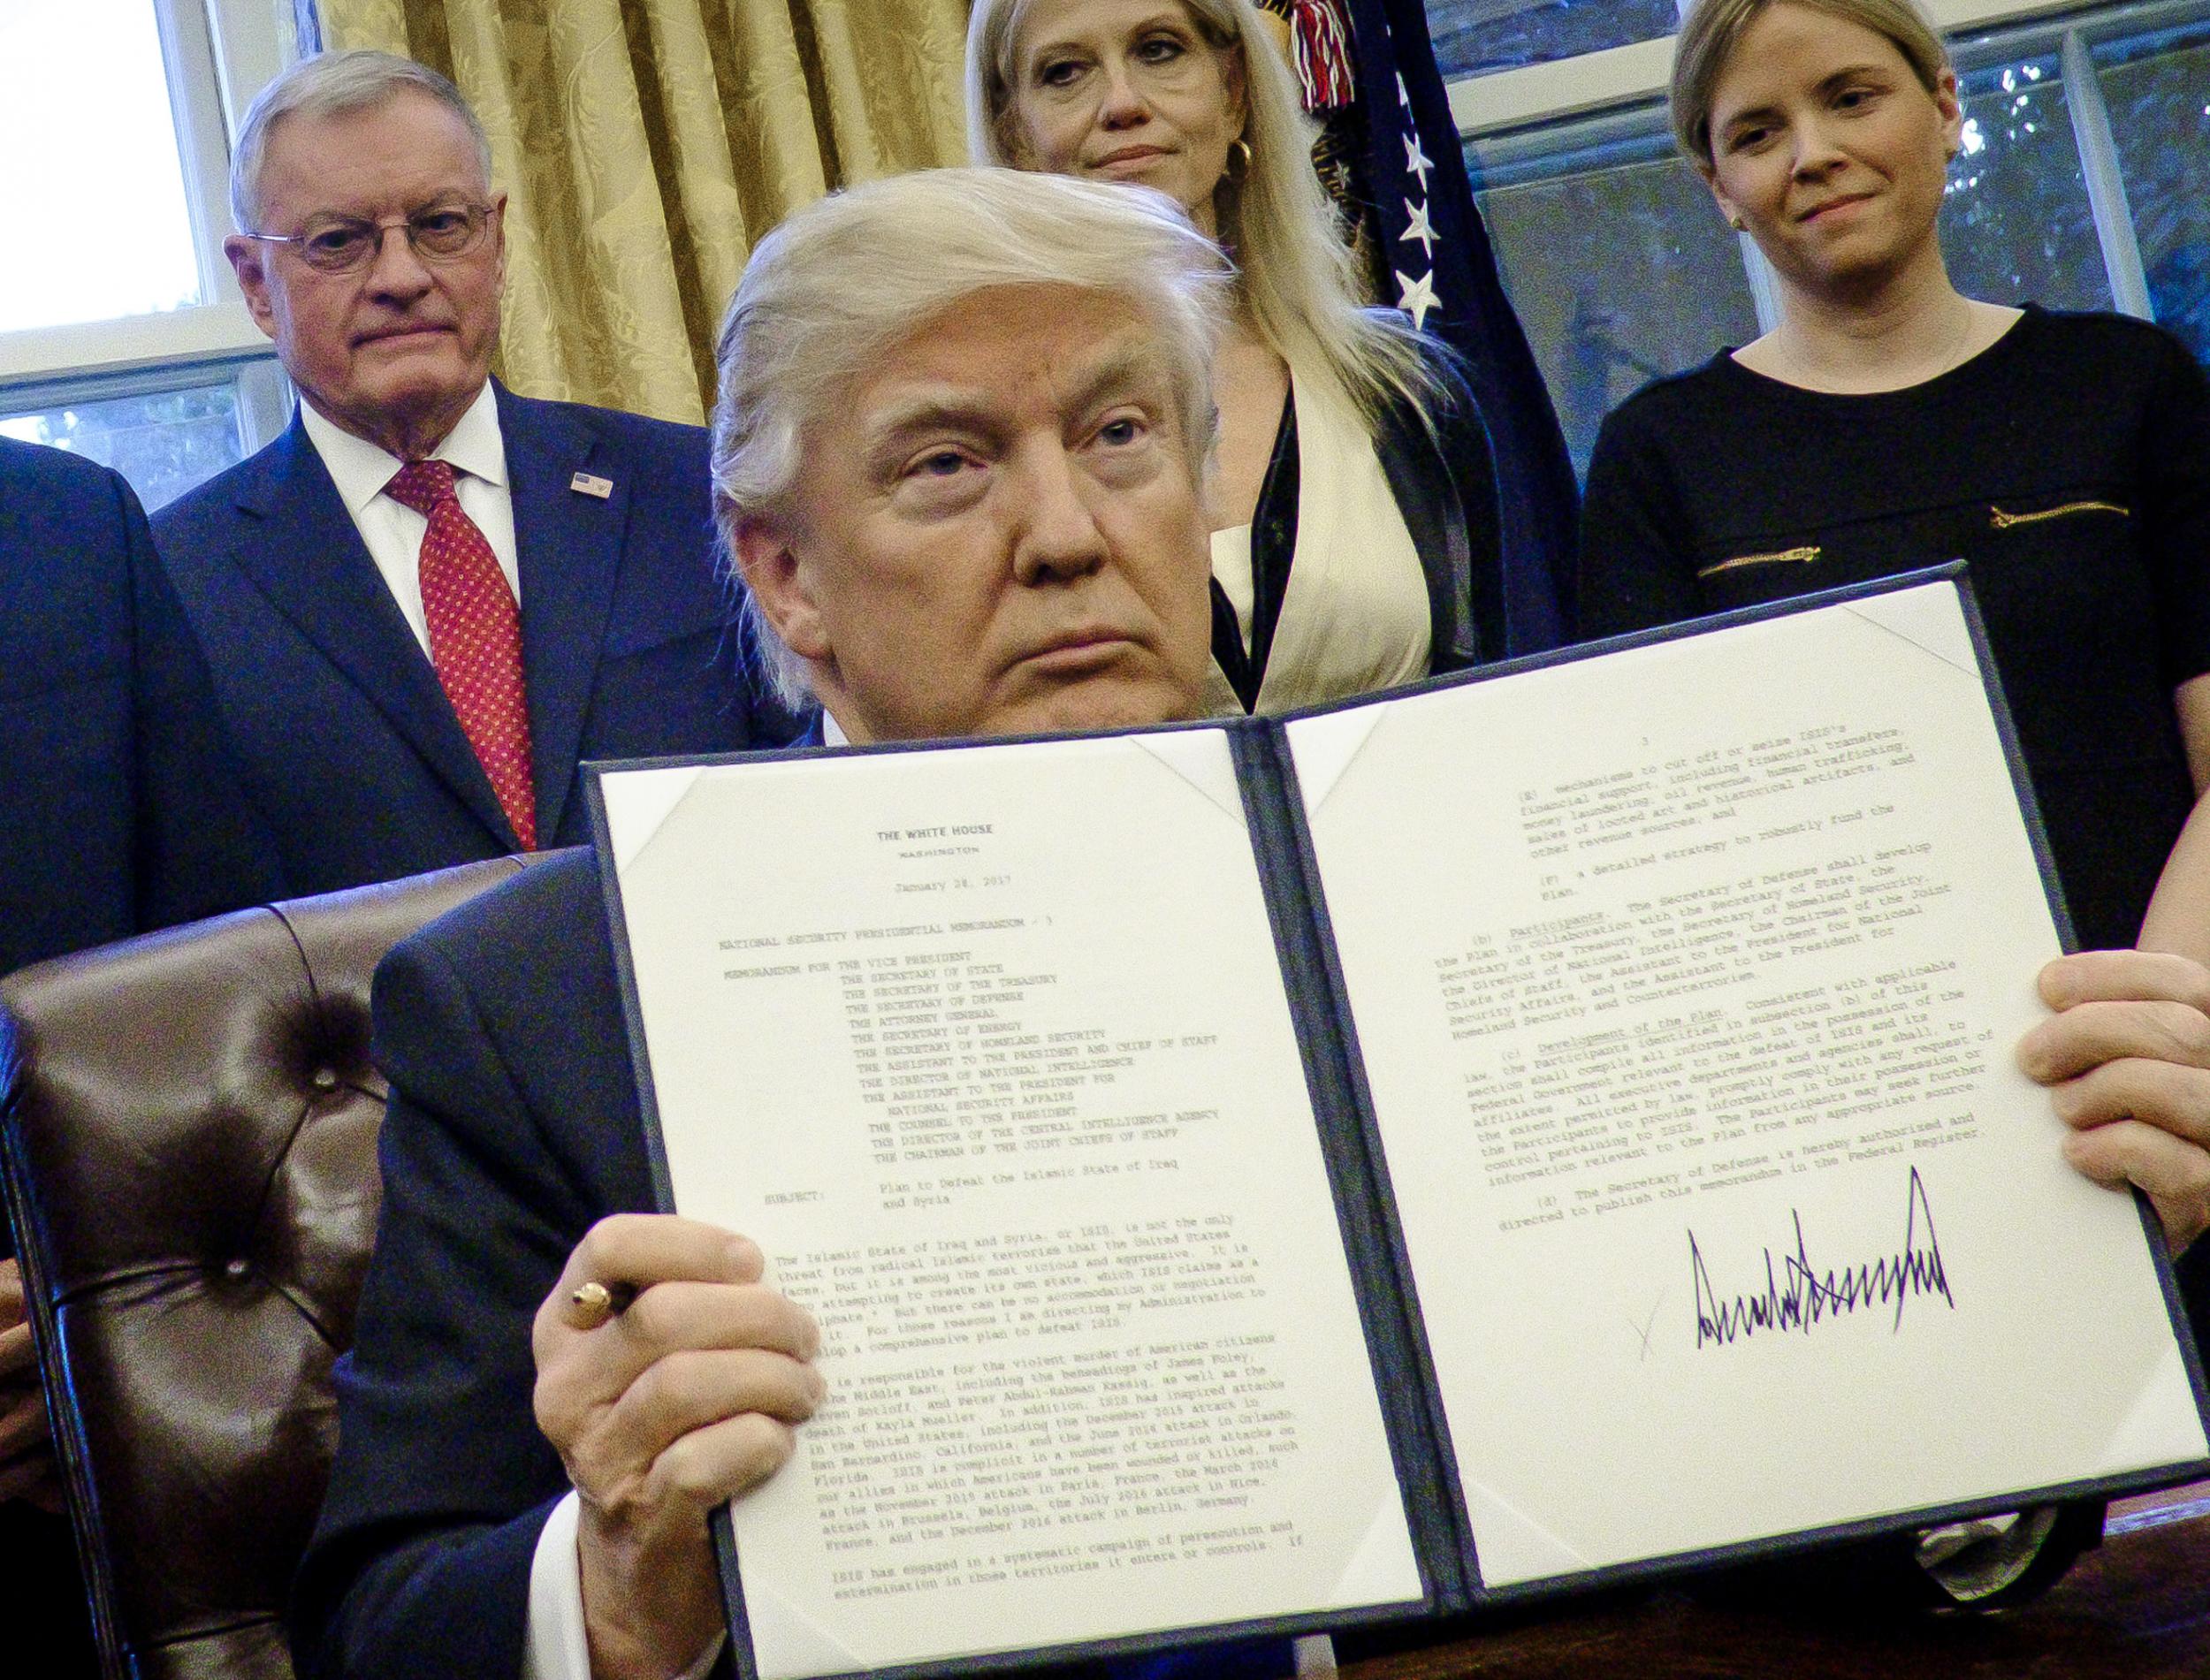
(189, 1122)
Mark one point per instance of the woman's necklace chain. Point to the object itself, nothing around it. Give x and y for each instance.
(1952, 353)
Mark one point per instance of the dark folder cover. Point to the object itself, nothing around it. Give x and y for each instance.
(1430, 1476)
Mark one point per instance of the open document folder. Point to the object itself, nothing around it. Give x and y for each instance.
(1539, 1126)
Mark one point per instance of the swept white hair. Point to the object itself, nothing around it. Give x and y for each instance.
(841, 281)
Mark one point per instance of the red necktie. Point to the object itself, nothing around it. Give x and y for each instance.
(475, 637)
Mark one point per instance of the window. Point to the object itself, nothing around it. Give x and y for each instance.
(122, 334)
(1475, 36)
(117, 187)
(2156, 85)
(2018, 223)
(1616, 260)
(2087, 135)
(165, 431)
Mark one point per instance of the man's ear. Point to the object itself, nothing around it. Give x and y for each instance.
(499, 236)
(783, 585)
(248, 261)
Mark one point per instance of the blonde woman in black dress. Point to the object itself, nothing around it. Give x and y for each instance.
(1888, 421)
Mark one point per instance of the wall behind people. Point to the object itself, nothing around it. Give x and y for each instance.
(645, 155)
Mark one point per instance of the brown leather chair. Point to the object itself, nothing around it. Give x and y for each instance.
(188, 1121)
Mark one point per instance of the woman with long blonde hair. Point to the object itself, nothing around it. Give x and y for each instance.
(1355, 502)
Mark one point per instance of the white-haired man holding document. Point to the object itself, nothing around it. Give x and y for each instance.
(960, 458)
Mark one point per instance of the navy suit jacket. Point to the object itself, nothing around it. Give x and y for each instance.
(119, 808)
(349, 747)
(119, 812)
(513, 1126)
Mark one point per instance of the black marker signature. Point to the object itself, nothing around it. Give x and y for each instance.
(1807, 1295)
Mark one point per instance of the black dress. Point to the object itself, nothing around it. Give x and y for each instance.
(2069, 463)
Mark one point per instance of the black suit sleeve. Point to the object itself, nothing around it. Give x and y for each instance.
(120, 810)
(420, 1566)
(2174, 442)
(1635, 569)
(1441, 471)
(1472, 464)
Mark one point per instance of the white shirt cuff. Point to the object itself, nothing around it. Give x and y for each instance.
(555, 1645)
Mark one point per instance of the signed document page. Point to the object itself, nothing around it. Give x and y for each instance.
(988, 1049)
(1687, 981)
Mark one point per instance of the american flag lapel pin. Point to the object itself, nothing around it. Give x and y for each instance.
(591, 484)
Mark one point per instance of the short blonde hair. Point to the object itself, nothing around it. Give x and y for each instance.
(1299, 280)
(841, 281)
(1715, 28)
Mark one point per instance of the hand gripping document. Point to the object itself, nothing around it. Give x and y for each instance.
(1536, 1129)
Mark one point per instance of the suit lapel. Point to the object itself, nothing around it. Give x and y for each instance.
(309, 561)
(570, 548)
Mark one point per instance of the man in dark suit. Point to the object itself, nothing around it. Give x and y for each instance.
(998, 529)
(429, 599)
(119, 812)
(118, 807)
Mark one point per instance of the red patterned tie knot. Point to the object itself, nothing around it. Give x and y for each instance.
(475, 637)
(421, 485)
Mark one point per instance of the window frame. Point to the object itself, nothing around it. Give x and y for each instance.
(1498, 101)
(1510, 107)
(218, 54)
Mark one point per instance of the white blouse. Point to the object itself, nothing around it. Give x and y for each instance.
(1356, 616)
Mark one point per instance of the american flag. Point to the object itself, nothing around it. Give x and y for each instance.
(1390, 153)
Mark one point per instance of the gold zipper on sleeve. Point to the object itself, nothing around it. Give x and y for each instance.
(2003, 521)
(1810, 552)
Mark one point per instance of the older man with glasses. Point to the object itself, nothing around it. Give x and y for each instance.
(430, 598)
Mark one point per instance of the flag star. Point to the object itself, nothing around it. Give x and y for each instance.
(1418, 227)
(1417, 297)
(1416, 161)
(1404, 94)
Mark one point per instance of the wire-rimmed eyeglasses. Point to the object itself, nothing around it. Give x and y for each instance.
(345, 244)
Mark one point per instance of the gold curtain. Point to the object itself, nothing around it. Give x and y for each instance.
(645, 145)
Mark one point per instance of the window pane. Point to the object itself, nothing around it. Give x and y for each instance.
(2158, 90)
(94, 181)
(2018, 227)
(1620, 268)
(164, 442)
(1474, 35)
